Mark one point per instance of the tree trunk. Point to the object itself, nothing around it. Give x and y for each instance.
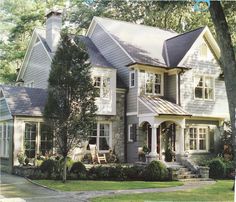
(228, 62)
(64, 170)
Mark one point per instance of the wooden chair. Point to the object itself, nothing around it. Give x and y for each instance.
(96, 157)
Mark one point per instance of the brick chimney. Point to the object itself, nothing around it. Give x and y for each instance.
(53, 28)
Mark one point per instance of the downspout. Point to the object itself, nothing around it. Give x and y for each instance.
(179, 87)
(125, 127)
(12, 145)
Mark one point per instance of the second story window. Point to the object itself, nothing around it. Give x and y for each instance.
(204, 87)
(102, 85)
(131, 79)
(153, 83)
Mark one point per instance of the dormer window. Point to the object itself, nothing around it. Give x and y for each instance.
(153, 83)
(204, 87)
(102, 85)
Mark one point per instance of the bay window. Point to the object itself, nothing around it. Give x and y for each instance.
(101, 136)
(204, 87)
(102, 85)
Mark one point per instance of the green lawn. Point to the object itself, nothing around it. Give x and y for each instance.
(76, 185)
(221, 191)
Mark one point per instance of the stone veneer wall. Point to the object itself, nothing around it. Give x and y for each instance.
(118, 125)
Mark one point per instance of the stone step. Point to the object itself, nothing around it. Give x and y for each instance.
(188, 176)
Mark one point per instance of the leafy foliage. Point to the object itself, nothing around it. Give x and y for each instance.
(156, 171)
(217, 169)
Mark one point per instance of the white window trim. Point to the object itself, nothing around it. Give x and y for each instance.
(5, 153)
(29, 84)
(204, 77)
(207, 139)
(130, 79)
(98, 135)
(129, 127)
(162, 83)
(101, 87)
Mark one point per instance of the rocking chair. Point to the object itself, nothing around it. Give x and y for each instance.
(96, 157)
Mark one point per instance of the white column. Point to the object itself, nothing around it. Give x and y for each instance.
(181, 141)
(154, 142)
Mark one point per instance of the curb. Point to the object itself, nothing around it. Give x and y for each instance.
(37, 184)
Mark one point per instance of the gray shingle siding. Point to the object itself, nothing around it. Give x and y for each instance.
(116, 56)
(4, 111)
(203, 107)
(170, 88)
(143, 109)
(38, 67)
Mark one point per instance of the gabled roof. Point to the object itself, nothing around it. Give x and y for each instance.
(162, 107)
(151, 45)
(178, 46)
(24, 101)
(95, 57)
(143, 44)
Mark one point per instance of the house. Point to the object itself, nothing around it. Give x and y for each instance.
(158, 89)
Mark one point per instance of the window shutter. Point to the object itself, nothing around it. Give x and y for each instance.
(135, 132)
(186, 139)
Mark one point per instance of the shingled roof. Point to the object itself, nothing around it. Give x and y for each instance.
(24, 101)
(163, 107)
(150, 45)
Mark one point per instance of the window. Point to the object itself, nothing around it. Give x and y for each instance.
(204, 87)
(132, 133)
(198, 138)
(102, 85)
(101, 136)
(131, 79)
(29, 84)
(30, 139)
(46, 139)
(153, 83)
(4, 140)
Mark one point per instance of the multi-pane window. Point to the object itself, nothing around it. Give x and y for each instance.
(30, 139)
(4, 140)
(102, 85)
(132, 79)
(101, 136)
(153, 83)
(132, 133)
(204, 87)
(198, 138)
(46, 139)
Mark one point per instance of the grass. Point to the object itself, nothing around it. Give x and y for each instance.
(85, 185)
(221, 191)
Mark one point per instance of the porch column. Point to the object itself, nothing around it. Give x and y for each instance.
(181, 141)
(153, 154)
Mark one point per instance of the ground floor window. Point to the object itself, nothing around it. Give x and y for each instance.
(198, 138)
(4, 140)
(38, 139)
(101, 136)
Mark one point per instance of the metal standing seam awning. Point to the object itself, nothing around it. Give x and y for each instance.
(163, 107)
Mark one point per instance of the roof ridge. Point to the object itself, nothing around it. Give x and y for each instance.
(133, 23)
(185, 33)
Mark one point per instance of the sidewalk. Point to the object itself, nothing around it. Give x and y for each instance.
(18, 189)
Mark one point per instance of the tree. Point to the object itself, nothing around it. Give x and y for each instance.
(70, 108)
(227, 60)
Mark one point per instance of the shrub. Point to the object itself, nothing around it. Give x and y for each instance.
(98, 173)
(69, 164)
(78, 168)
(134, 173)
(217, 169)
(156, 171)
(48, 167)
(116, 173)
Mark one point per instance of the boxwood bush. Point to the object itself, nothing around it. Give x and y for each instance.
(217, 169)
(156, 171)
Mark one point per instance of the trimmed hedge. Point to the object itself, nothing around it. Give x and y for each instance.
(156, 171)
(217, 169)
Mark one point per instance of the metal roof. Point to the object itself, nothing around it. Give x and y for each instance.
(163, 107)
(25, 101)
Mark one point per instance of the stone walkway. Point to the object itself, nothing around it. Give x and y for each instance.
(18, 189)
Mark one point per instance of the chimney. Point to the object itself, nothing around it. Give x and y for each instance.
(53, 28)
